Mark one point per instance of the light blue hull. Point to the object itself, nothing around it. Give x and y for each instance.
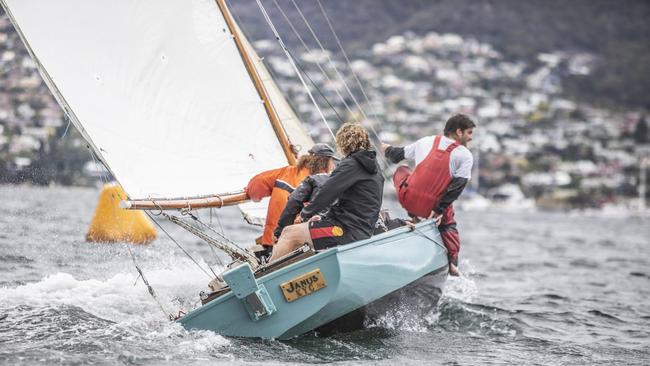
(356, 275)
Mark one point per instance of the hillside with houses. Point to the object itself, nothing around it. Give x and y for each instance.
(536, 144)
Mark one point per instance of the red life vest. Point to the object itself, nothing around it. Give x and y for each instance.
(420, 191)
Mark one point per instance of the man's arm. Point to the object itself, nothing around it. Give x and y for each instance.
(341, 179)
(394, 154)
(454, 190)
(294, 205)
(261, 185)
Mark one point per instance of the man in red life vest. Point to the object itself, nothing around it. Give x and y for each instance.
(443, 166)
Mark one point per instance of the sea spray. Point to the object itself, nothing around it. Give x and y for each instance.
(122, 295)
(64, 310)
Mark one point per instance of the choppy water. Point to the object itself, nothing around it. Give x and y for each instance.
(539, 289)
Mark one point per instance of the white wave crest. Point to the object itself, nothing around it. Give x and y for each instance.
(115, 298)
(463, 288)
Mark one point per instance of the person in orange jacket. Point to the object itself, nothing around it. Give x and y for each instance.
(279, 183)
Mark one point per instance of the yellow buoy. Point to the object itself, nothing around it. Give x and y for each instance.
(113, 224)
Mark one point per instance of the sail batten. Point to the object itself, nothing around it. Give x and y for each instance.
(158, 89)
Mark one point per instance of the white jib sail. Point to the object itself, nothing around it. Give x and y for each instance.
(158, 87)
(293, 126)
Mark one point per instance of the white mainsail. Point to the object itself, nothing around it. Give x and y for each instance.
(158, 88)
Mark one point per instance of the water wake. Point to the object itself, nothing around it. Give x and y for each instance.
(61, 312)
(455, 312)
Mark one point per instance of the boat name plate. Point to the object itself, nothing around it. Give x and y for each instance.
(303, 285)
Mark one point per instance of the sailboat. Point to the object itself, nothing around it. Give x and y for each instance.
(172, 99)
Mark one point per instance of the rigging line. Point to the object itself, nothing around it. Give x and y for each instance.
(259, 59)
(150, 289)
(233, 251)
(215, 255)
(347, 60)
(214, 252)
(104, 181)
(220, 226)
(292, 62)
(345, 84)
(319, 92)
(104, 178)
(381, 157)
(222, 231)
(178, 245)
(318, 64)
(272, 76)
(67, 127)
(298, 64)
(431, 240)
(197, 219)
(190, 214)
(329, 59)
(169, 315)
(363, 92)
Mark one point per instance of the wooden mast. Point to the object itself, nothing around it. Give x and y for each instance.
(275, 120)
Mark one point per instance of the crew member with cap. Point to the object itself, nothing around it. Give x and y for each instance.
(353, 194)
(279, 184)
(309, 187)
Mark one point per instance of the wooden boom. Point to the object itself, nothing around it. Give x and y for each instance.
(229, 199)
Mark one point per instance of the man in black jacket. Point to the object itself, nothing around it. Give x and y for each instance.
(357, 184)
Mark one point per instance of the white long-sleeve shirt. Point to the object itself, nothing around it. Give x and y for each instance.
(460, 161)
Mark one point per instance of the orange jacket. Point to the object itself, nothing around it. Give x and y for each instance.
(277, 183)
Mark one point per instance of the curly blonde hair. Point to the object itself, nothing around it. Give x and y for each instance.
(352, 137)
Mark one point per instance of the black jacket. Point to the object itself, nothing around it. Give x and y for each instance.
(358, 185)
(305, 192)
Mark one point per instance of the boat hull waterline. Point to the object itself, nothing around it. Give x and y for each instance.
(356, 275)
(415, 300)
